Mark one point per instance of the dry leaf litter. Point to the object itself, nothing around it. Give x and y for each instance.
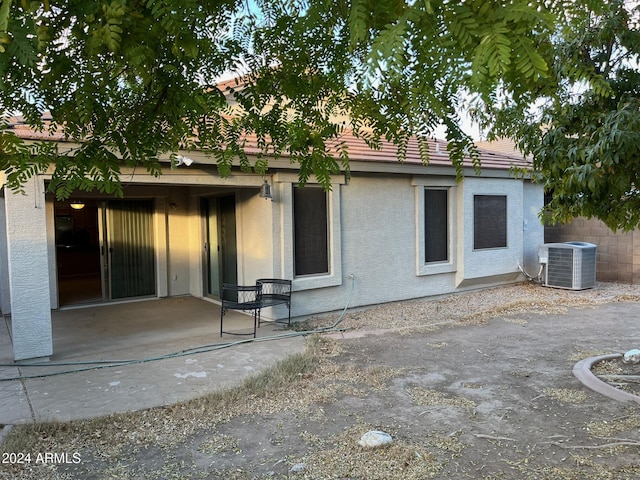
(113, 442)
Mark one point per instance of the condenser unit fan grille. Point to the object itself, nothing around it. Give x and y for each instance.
(561, 270)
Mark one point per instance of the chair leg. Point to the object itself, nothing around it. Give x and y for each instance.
(256, 316)
(221, 319)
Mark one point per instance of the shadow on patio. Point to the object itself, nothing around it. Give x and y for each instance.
(182, 337)
(144, 329)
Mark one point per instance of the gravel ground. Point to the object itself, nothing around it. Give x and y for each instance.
(480, 305)
(475, 385)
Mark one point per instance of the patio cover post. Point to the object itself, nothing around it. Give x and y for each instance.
(29, 271)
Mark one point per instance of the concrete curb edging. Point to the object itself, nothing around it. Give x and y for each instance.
(582, 371)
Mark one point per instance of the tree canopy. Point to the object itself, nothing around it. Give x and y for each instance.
(126, 78)
(583, 130)
(130, 80)
(133, 79)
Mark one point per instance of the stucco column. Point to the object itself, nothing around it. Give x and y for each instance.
(5, 299)
(29, 272)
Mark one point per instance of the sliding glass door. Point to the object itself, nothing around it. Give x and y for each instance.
(105, 250)
(220, 245)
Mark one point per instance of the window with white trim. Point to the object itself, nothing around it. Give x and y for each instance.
(323, 258)
(436, 231)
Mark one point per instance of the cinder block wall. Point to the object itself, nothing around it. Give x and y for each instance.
(618, 254)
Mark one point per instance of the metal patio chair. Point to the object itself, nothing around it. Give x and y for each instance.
(275, 291)
(246, 298)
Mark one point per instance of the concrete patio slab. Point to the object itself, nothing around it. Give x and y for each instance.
(146, 354)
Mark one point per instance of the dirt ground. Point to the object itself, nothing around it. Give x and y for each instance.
(487, 398)
(619, 374)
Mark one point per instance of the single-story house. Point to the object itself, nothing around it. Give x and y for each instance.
(392, 231)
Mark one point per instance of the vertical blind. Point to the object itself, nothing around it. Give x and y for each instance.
(132, 259)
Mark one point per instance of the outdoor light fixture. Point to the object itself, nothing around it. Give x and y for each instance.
(77, 205)
(265, 191)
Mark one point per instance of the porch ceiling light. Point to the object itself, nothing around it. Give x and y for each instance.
(265, 191)
(77, 205)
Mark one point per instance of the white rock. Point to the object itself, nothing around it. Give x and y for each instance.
(375, 438)
(298, 467)
(632, 356)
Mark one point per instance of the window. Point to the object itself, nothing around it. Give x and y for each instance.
(489, 221)
(300, 258)
(310, 242)
(436, 225)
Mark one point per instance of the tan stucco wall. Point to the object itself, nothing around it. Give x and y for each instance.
(177, 253)
(254, 238)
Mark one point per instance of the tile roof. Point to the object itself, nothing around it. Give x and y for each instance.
(358, 150)
(438, 154)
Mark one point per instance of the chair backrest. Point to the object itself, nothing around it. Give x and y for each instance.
(275, 287)
(241, 294)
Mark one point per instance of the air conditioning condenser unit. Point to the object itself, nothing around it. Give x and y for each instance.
(570, 265)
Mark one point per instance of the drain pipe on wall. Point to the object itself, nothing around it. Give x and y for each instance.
(99, 364)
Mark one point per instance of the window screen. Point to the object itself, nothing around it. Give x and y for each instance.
(436, 225)
(489, 221)
(311, 253)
